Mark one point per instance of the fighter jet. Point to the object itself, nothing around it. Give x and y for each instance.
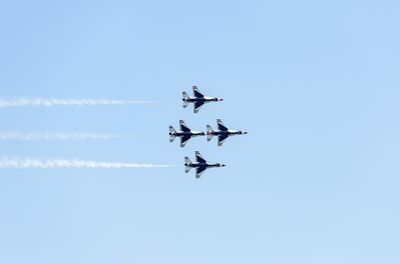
(185, 134)
(201, 164)
(198, 100)
(223, 132)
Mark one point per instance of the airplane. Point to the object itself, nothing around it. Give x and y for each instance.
(198, 100)
(223, 132)
(185, 134)
(200, 165)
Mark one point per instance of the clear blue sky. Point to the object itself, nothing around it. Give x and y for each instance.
(315, 82)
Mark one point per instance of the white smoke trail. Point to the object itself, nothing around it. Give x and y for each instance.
(58, 136)
(11, 163)
(21, 102)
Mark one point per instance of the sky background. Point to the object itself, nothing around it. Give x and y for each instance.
(316, 83)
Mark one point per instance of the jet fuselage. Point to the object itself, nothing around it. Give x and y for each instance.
(204, 165)
(226, 133)
(190, 134)
(202, 100)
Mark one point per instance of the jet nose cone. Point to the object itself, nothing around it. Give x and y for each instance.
(221, 99)
(245, 132)
(223, 165)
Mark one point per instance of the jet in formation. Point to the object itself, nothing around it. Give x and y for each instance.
(222, 133)
(185, 134)
(200, 165)
(198, 99)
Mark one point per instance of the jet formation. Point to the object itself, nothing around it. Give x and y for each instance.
(185, 133)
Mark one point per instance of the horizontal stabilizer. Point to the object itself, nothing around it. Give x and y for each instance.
(210, 132)
(187, 169)
(185, 98)
(172, 130)
(187, 160)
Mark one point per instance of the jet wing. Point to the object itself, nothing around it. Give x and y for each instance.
(184, 140)
(221, 125)
(197, 106)
(221, 139)
(199, 157)
(199, 171)
(197, 93)
(184, 127)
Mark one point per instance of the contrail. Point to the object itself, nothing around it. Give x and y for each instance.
(59, 136)
(11, 163)
(21, 102)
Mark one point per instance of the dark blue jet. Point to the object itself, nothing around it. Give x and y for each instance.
(200, 165)
(185, 134)
(198, 99)
(222, 133)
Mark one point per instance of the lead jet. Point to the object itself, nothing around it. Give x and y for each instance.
(222, 133)
(198, 99)
(200, 165)
(185, 134)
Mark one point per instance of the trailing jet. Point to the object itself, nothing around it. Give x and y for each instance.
(198, 100)
(185, 134)
(200, 165)
(223, 132)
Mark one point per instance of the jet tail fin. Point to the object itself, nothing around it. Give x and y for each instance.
(185, 97)
(187, 163)
(210, 132)
(172, 132)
